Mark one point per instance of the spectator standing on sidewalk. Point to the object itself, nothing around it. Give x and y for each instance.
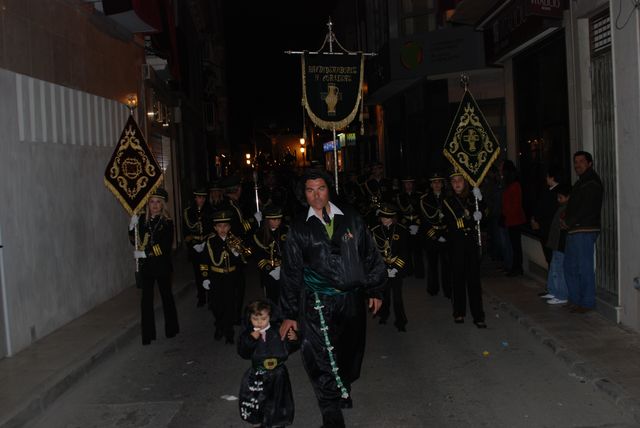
(545, 210)
(556, 284)
(513, 214)
(582, 221)
(153, 251)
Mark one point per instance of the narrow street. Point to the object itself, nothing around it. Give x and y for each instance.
(437, 374)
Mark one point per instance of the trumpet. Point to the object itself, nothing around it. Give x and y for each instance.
(236, 243)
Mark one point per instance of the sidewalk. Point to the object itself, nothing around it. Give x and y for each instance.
(35, 377)
(596, 350)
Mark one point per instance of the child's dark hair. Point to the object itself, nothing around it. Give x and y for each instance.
(258, 306)
(564, 189)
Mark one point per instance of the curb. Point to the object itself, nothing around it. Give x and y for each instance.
(580, 369)
(51, 390)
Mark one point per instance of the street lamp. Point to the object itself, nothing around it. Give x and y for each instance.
(248, 158)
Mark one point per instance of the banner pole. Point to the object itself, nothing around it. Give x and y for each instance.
(335, 160)
(478, 228)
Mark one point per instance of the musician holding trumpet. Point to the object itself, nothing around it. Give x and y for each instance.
(221, 256)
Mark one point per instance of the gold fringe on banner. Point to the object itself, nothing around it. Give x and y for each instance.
(324, 124)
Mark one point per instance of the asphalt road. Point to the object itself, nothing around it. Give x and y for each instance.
(437, 374)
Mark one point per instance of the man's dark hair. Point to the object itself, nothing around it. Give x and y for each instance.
(254, 308)
(586, 155)
(313, 174)
(564, 189)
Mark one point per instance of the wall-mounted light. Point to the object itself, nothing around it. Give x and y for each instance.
(302, 141)
(132, 100)
(302, 150)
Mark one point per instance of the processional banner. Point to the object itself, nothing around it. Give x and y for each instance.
(132, 174)
(332, 88)
(471, 146)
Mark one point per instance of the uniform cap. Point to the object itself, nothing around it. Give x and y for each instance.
(160, 193)
(200, 191)
(222, 216)
(387, 210)
(272, 211)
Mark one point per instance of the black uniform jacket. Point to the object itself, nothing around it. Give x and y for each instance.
(155, 238)
(348, 261)
(409, 204)
(431, 207)
(458, 216)
(269, 254)
(392, 242)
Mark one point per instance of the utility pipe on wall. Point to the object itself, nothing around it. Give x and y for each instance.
(5, 306)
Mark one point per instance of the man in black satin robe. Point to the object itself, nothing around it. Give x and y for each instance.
(331, 271)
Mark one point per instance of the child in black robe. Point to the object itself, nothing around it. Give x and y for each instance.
(265, 397)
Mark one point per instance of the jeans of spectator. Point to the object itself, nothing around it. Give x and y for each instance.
(556, 284)
(579, 270)
(505, 243)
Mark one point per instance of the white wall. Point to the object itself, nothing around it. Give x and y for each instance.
(627, 113)
(65, 244)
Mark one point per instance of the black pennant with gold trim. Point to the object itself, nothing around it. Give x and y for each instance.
(471, 146)
(132, 174)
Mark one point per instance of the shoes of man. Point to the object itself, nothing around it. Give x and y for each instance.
(547, 296)
(346, 403)
(480, 324)
(555, 301)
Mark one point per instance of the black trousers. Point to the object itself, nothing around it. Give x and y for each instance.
(241, 285)
(197, 276)
(515, 238)
(271, 287)
(393, 293)
(345, 317)
(148, 323)
(438, 270)
(415, 250)
(224, 294)
(465, 274)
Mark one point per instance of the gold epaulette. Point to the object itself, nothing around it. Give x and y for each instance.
(157, 250)
(399, 262)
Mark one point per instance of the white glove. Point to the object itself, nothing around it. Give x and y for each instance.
(441, 239)
(258, 216)
(133, 222)
(235, 253)
(206, 284)
(476, 192)
(275, 273)
(391, 273)
(199, 247)
(139, 254)
(413, 229)
(477, 215)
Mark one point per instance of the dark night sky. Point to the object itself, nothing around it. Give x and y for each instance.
(264, 83)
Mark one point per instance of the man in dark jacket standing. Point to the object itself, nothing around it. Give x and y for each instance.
(330, 268)
(582, 222)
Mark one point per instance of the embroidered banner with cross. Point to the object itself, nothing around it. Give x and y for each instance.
(471, 146)
(132, 174)
(332, 88)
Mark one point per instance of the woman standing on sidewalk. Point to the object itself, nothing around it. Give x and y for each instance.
(513, 215)
(153, 251)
